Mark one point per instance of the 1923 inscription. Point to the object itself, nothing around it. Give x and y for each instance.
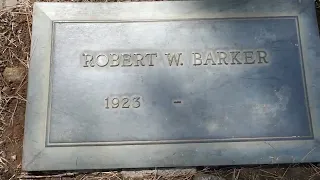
(177, 59)
(203, 58)
(122, 102)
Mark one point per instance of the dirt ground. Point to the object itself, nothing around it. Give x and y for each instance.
(15, 33)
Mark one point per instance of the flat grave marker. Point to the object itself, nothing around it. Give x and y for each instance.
(167, 84)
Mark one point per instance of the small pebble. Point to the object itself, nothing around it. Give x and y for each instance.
(5, 88)
(13, 74)
(14, 157)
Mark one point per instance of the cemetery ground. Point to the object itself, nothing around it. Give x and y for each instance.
(15, 34)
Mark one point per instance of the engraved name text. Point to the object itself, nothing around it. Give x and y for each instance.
(177, 59)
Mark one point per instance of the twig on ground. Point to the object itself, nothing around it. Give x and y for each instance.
(285, 172)
(47, 176)
(270, 173)
(14, 111)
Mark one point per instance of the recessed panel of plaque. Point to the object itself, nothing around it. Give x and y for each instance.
(165, 84)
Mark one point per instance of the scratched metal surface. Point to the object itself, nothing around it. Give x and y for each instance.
(266, 98)
(251, 98)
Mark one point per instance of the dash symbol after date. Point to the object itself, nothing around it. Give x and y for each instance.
(177, 101)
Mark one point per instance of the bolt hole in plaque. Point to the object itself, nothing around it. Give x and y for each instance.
(178, 81)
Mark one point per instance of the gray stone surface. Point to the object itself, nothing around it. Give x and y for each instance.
(257, 68)
(172, 84)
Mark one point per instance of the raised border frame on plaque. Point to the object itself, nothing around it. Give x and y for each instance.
(38, 156)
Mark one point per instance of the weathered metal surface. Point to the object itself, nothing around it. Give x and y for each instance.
(162, 84)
